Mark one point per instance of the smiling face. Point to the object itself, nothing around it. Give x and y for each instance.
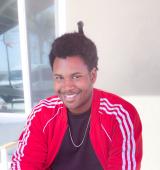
(73, 83)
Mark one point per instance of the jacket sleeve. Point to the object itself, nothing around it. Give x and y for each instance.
(125, 151)
(31, 152)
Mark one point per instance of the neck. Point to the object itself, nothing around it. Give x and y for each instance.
(78, 114)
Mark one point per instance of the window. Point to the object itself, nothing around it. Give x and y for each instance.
(11, 84)
(40, 33)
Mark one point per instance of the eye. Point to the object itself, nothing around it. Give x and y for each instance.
(76, 77)
(58, 78)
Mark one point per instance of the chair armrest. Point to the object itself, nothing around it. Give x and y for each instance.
(4, 154)
(8, 145)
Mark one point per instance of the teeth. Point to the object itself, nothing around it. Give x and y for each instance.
(70, 97)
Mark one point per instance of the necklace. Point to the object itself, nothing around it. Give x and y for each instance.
(70, 134)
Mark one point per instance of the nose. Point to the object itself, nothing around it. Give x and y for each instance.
(68, 84)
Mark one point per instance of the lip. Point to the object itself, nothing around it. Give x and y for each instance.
(69, 97)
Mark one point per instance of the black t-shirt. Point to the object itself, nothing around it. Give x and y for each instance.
(70, 157)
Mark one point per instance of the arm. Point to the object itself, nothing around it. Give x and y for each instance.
(31, 152)
(126, 147)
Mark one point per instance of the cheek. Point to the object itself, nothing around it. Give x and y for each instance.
(56, 87)
(84, 85)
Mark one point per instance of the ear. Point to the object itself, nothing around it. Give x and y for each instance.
(93, 75)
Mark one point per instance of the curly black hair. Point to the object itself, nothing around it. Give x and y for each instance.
(71, 44)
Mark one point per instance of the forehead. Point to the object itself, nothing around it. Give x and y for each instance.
(69, 64)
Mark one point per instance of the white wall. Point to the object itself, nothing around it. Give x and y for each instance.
(127, 34)
(149, 110)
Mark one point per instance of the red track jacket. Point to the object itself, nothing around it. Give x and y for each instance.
(115, 134)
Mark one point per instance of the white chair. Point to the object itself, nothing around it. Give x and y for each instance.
(4, 163)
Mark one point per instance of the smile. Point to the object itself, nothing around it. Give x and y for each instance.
(69, 97)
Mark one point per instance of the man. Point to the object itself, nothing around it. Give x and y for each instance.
(81, 128)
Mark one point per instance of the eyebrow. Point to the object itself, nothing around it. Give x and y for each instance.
(56, 74)
(76, 73)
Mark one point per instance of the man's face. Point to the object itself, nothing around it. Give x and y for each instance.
(73, 83)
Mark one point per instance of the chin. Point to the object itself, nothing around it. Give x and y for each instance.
(71, 107)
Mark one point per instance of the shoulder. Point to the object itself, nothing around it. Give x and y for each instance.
(116, 112)
(46, 109)
(115, 105)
